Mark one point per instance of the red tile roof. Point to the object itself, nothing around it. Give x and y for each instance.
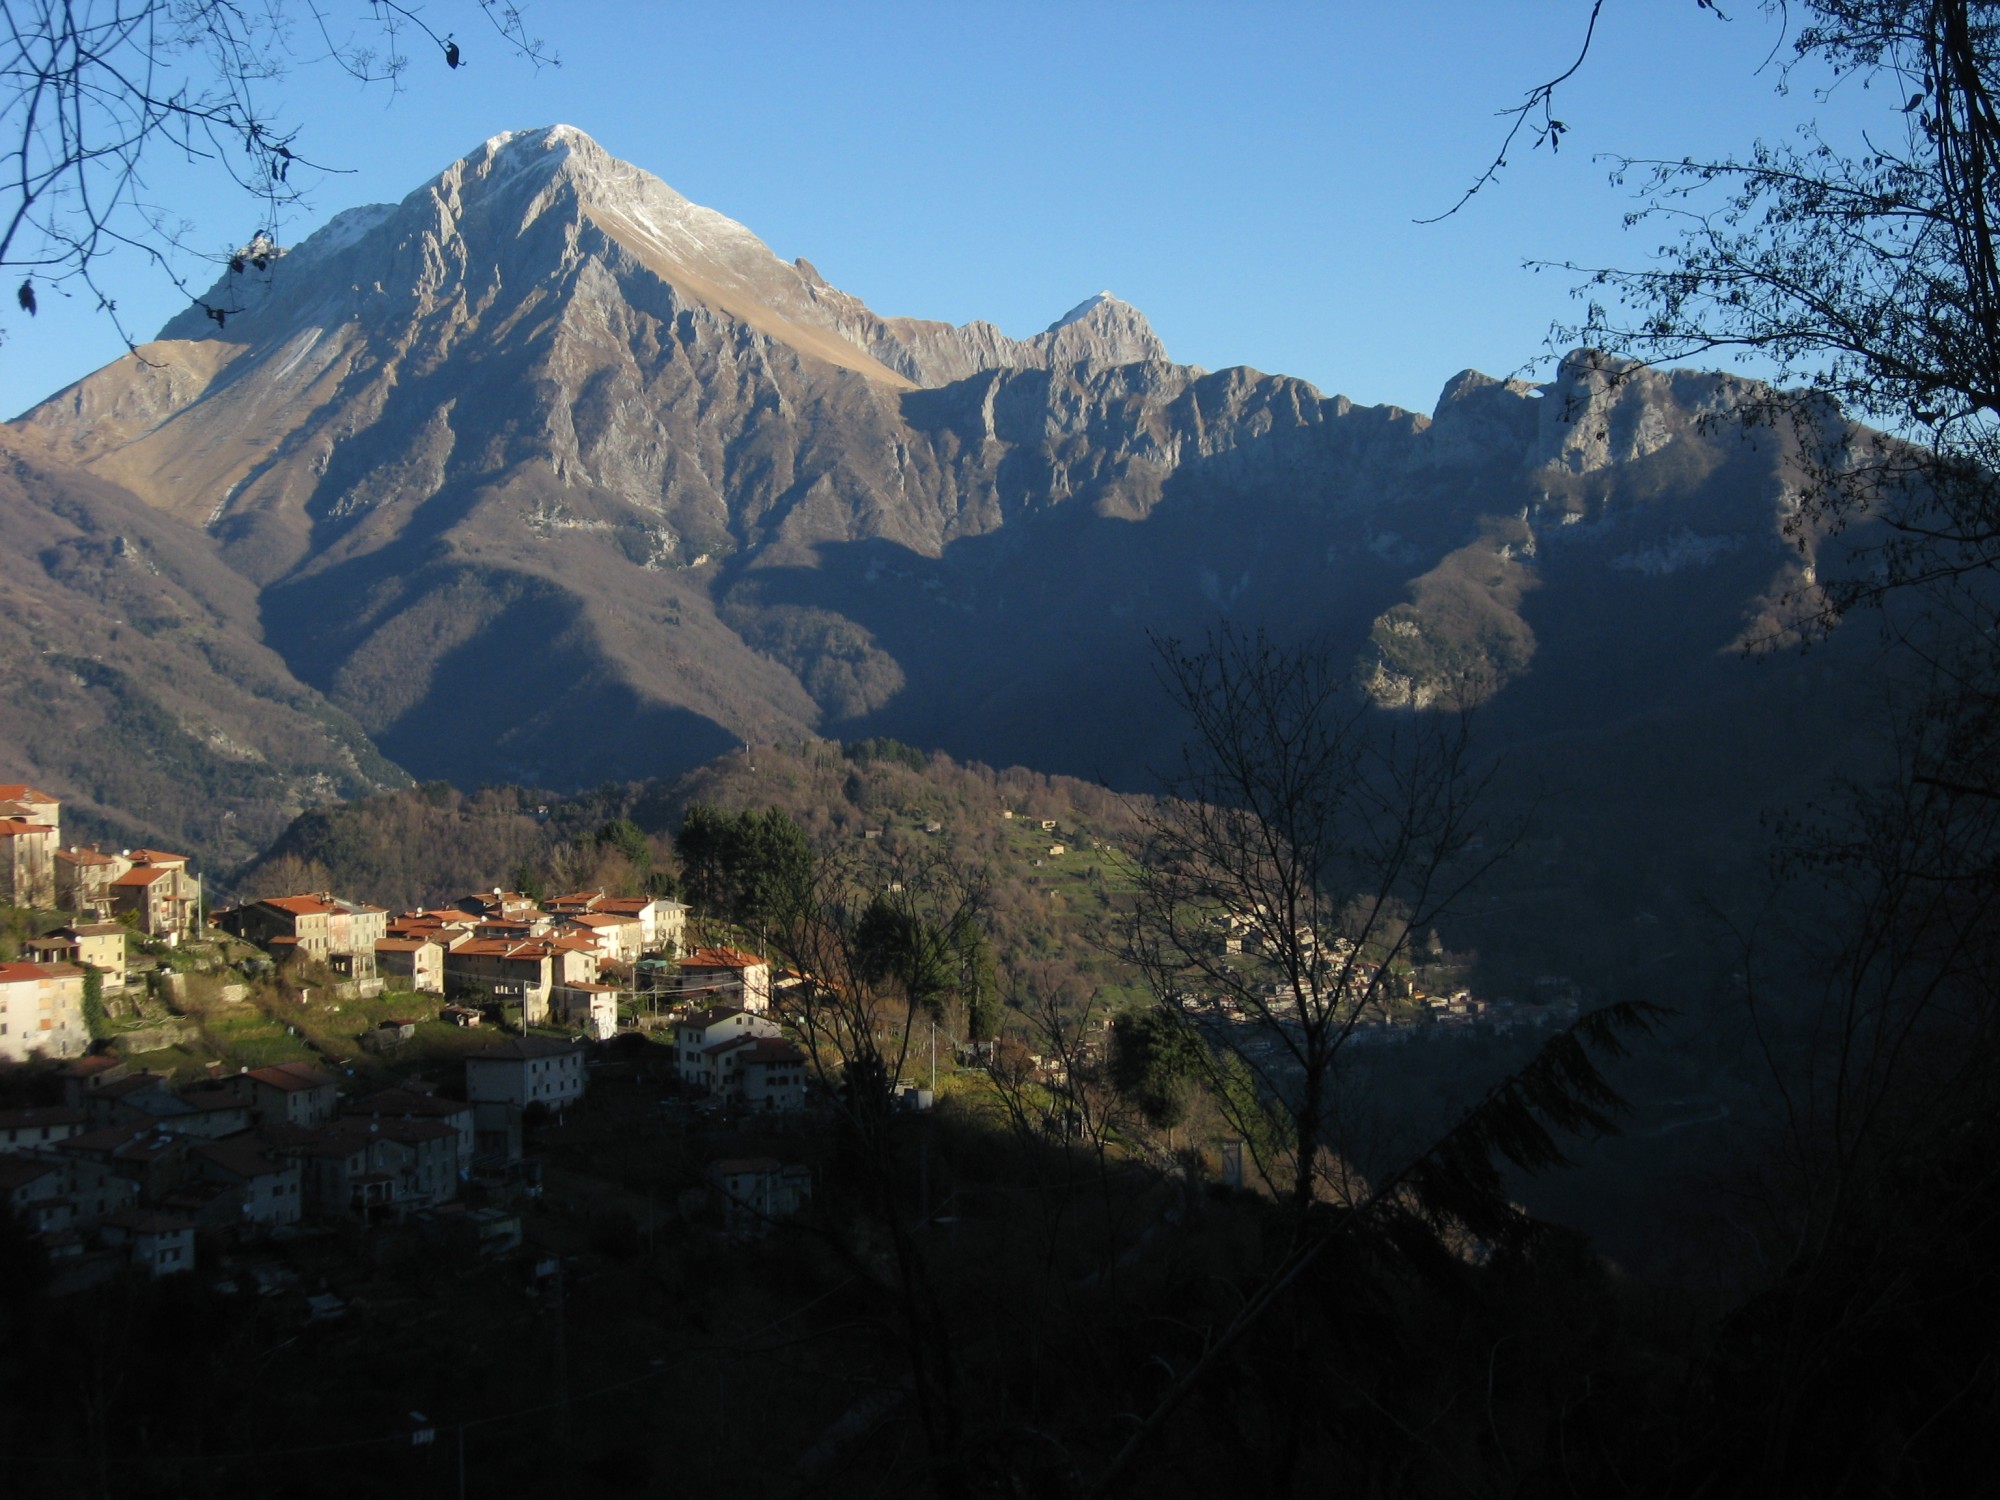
(20, 791)
(720, 958)
(25, 973)
(292, 1077)
(240, 1157)
(300, 906)
(144, 875)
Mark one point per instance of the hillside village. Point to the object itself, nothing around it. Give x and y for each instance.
(134, 1165)
(532, 996)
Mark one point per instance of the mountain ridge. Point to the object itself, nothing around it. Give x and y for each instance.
(546, 445)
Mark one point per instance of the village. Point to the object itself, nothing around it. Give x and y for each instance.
(136, 1167)
(360, 1117)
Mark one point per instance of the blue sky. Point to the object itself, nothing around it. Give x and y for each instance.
(1248, 176)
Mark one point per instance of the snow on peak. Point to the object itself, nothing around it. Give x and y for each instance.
(345, 228)
(546, 136)
(1084, 309)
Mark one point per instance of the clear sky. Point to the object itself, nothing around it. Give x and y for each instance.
(1249, 175)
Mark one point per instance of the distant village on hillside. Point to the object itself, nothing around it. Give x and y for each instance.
(148, 1149)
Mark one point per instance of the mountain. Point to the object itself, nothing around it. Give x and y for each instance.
(137, 688)
(547, 474)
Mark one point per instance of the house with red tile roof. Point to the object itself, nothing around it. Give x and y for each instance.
(317, 925)
(20, 800)
(617, 938)
(506, 970)
(656, 927)
(416, 963)
(296, 1093)
(725, 976)
(164, 898)
(83, 880)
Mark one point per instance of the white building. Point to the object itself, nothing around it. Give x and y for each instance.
(697, 1036)
(756, 1192)
(41, 1011)
(526, 1070)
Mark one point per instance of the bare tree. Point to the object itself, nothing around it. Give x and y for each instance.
(93, 91)
(1307, 838)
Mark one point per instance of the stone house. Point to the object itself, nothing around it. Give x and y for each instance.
(152, 1158)
(318, 924)
(417, 962)
(214, 1110)
(510, 972)
(83, 880)
(348, 1171)
(27, 862)
(160, 894)
(113, 1098)
(504, 905)
(381, 1163)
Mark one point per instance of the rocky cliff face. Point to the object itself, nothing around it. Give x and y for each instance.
(547, 473)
